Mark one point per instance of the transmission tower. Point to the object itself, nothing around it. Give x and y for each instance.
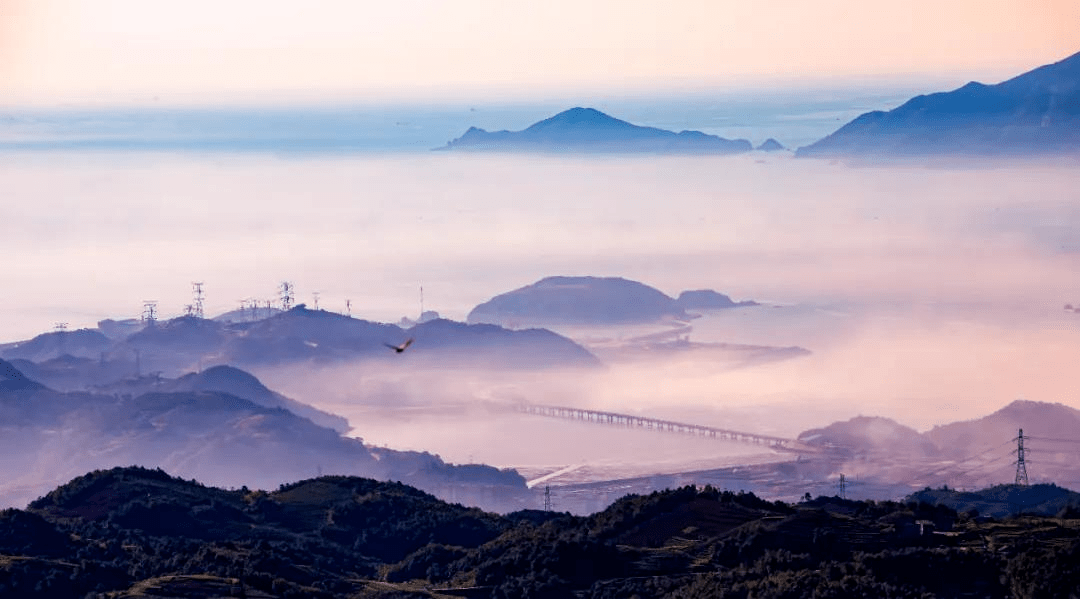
(243, 306)
(286, 292)
(348, 307)
(843, 487)
(61, 327)
(315, 296)
(547, 498)
(197, 304)
(149, 315)
(1021, 466)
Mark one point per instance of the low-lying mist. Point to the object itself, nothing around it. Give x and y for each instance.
(919, 366)
(114, 229)
(924, 294)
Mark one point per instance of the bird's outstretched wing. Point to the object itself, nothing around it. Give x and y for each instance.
(399, 348)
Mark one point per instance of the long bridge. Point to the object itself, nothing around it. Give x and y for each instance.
(667, 426)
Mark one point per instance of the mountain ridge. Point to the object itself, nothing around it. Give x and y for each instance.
(578, 130)
(137, 532)
(300, 335)
(215, 436)
(1034, 113)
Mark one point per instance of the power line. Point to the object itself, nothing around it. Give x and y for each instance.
(969, 458)
(987, 463)
(1077, 441)
(984, 465)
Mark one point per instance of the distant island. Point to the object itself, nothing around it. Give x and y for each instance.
(770, 145)
(588, 130)
(593, 301)
(1036, 113)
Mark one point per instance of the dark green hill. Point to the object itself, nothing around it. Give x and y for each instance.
(310, 536)
(1005, 500)
(140, 533)
(381, 521)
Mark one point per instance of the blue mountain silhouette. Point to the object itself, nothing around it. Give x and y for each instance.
(589, 130)
(1037, 112)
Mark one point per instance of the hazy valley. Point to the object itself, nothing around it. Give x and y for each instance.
(165, 394)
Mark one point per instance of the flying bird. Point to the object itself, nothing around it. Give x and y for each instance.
(400, 348)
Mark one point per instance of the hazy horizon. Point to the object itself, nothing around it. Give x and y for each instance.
(795, 117)
(145, 146)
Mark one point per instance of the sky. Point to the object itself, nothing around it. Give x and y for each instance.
(212, 51)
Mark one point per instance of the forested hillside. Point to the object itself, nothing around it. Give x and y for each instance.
(133, 532)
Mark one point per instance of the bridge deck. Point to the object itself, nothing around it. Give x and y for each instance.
(631, 421)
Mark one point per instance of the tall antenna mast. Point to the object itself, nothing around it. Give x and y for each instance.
(843, 487)
(1021, 467)
(348, 307)
(421, 300)
(315, 296)
(547, 498)
(197, 304)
